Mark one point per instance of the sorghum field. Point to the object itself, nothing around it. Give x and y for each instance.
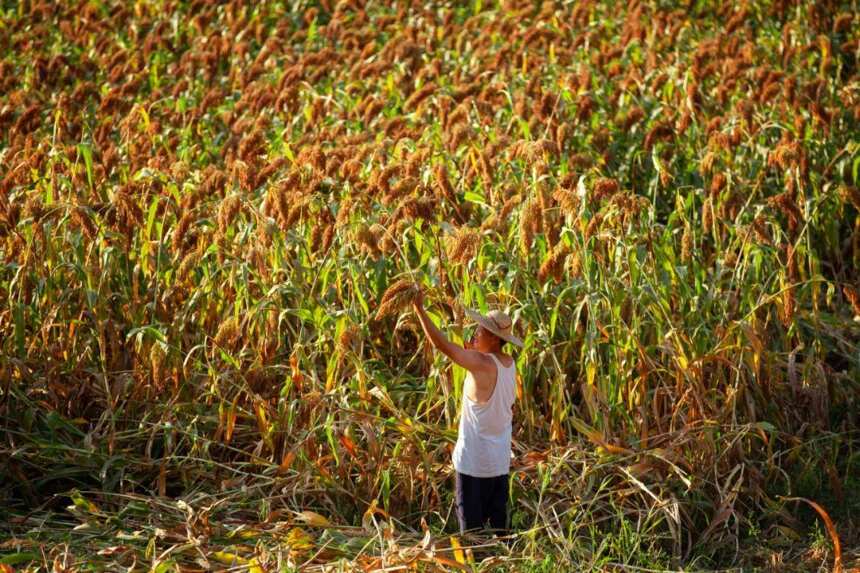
(211, 215)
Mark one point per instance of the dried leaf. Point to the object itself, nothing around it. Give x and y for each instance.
(831, 530)
(313, 519)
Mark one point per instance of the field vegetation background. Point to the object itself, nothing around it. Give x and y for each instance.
(203, 206)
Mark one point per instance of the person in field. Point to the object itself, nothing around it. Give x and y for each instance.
(482, 455)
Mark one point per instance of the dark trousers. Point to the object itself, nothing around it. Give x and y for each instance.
(479, 500)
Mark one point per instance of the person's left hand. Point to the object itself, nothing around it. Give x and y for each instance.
(418, 301)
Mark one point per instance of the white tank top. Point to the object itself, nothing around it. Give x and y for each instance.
(483, 446)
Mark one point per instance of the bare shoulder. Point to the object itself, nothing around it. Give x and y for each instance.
(487, 361)
(507, 360)
(476, 361)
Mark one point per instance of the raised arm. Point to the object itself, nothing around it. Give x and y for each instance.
(471, 360)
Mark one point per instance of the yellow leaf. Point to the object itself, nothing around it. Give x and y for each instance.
(366, 519)
(405, 425)
(228, 558)
(613, 449)
(231, 422)
(299, 541)
(262, 418)
(298, 537)
(83, 503)
(588, 431)
(254, 566)
(459, 555)
(144, 115)
(248, 534)
(597, 438)
(831, 530)
(314, 519)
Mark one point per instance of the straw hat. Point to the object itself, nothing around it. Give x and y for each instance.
(496, 322)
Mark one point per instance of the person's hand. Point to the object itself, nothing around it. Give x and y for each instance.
(418, 301)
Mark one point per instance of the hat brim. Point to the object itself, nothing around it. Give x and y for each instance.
(489, 325)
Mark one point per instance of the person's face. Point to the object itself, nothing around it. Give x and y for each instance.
(482, 340)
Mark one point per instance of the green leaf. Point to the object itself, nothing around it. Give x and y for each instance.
(473, 197)
(386, 487)
(478, 295)
(766, 426)
(227, 357)
(312, 32)
(361, 301)
(18, 558)
(165, 567)
(304, 314)
(83, 503)
(288, 151)
(18, 314)
(524, 128)
(150, 218)
(87, 152)
(553, 319)
(855, 170)
(146, 330)
(329, 434)
(144, 249)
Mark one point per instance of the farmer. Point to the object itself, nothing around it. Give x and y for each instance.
(482, 455)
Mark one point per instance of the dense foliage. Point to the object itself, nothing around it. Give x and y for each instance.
(203, 203)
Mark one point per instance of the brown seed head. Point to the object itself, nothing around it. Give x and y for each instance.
(784, 156)
(604, 188)
(850, 194)
(853, 298)
(632, 117)
(348, 337)
(228, 333)
(368, 240)
(707, 215)
(187, 265)
(181, 232)
(553, 265)
(687, 244)
(443, 184)
(463, 245)
(227, 212)
(396, 297)
(531, 219)
(718, 183)
(568, 201)
(660, 131)
(81, 218)
(593, 226)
